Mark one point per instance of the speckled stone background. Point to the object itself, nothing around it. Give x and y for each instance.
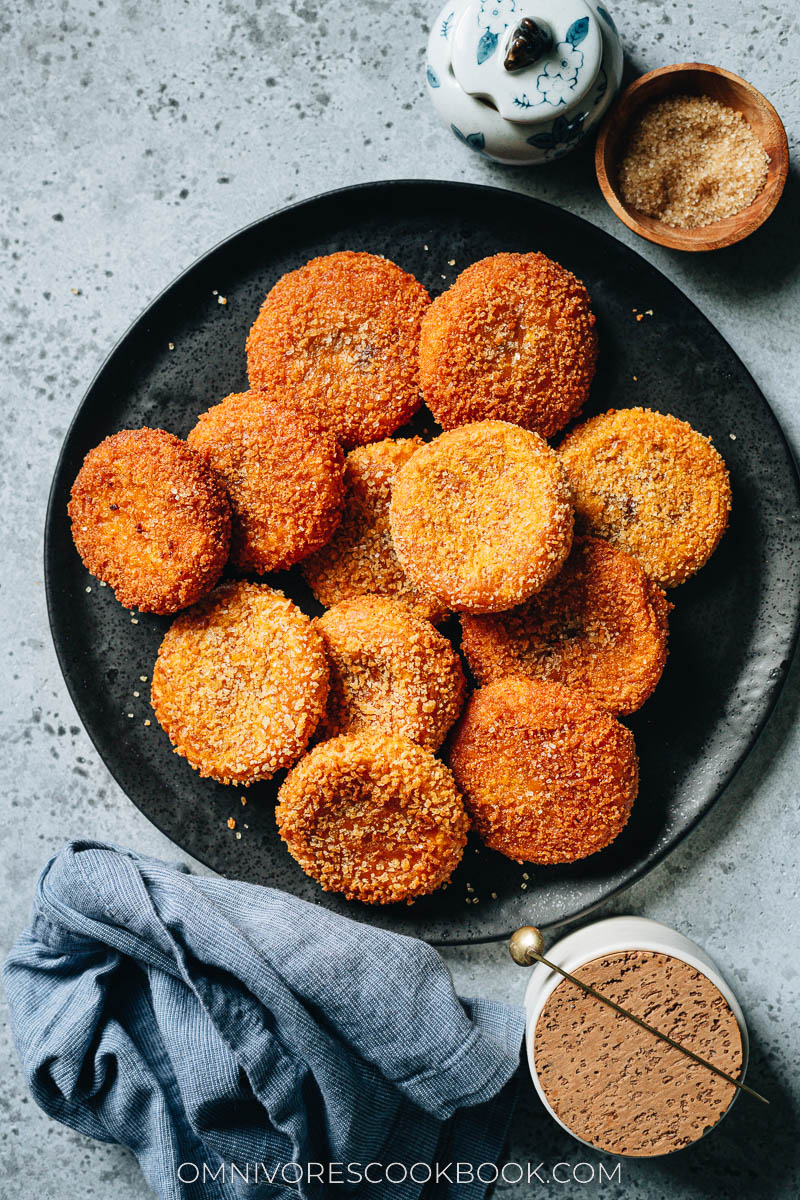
(134, 136)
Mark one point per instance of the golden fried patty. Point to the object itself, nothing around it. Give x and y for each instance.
(339, 338)
(481, 516)
(514, 340)
(600, 625)
(284, 474)
(375, 817)
(360, 558)
(652, 485)
(389, 671)
(150, 519)
(547, 775)
(240, 683)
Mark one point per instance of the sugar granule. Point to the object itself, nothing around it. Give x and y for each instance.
(691, 161)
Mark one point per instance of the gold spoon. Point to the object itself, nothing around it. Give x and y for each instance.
(526, 946)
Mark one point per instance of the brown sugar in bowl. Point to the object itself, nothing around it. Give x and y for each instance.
(693, 79)
(611, 1084)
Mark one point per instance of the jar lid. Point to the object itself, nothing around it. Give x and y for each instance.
(530, 59)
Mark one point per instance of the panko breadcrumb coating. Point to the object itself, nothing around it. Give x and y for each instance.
(600, 625)
(389, 671)
(652, 485)
(547, 775)
(360, 558)
(284, 474)
(513, 339)
(150, 519)
(482, 517)
(375, 817)
(240, 683)
(339, 338)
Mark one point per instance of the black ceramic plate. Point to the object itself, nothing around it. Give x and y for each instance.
(732, 630)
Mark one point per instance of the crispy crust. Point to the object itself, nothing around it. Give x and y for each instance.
(547, 775)
(652, 485)
(481, 516)
(514, 340)
(389, 671)
(600, 625)
(240, 683)
(150, 519)
(377, 818)
(360, 558)
(284, 474)
(339, 337)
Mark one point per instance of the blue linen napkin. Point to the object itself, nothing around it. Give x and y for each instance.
(245, 1043)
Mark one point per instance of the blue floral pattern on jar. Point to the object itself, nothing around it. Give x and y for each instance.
(560, 74)
(475, 141)
(494, 18)
(560, 137)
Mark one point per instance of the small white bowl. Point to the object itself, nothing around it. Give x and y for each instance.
(613, 936)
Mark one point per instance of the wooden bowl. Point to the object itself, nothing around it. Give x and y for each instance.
(695, 79)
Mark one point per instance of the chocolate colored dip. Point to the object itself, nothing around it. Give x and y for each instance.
(616, 1085)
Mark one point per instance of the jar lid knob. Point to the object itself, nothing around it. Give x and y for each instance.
(529, 42)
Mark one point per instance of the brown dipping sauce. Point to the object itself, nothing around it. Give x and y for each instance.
(619, 1087)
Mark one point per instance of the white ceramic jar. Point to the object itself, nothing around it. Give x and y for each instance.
(616, 935)
(522, 81)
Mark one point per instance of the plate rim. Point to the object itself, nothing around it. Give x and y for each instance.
(773, 695)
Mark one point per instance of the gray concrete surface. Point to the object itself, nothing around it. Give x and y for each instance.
(134, 136)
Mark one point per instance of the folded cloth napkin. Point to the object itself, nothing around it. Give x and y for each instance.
(243, 1042)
